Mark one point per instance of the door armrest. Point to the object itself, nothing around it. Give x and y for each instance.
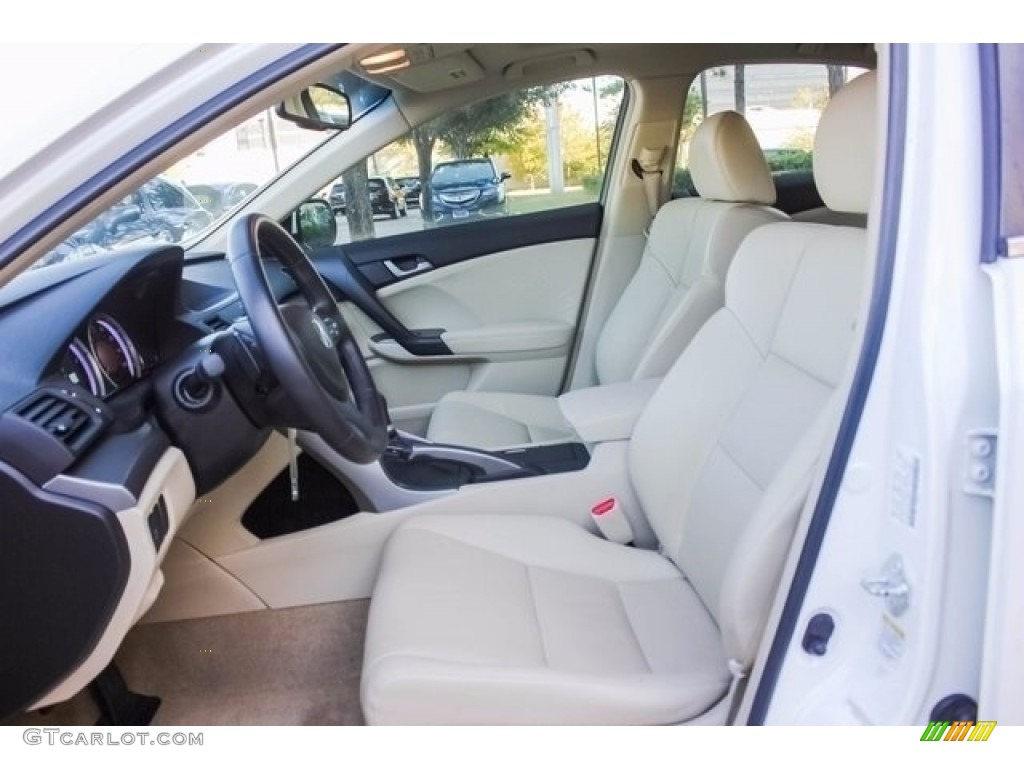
(509, 338)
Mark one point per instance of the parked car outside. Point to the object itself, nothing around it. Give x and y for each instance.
(219, 198)
(337, 197)
(461, 189)
(412, 187)
(167, 211)
(160, 210)
(386, 197)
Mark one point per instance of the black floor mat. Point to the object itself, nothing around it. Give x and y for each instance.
(322, 499)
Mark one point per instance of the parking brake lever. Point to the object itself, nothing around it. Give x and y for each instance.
(293, 463)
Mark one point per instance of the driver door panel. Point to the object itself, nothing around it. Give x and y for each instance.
(498, 299)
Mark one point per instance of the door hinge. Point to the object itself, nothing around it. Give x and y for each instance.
(980, 477)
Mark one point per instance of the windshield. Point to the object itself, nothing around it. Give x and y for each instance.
(193, 195)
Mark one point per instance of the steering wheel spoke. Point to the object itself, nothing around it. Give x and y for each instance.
(307, 343)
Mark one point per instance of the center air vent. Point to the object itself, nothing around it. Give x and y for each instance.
(44, 433)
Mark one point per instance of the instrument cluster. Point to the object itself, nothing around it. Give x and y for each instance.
(104, 358)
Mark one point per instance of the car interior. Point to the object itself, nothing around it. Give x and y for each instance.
(546, 467)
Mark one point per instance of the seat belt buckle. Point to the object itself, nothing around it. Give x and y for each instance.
(611, 521)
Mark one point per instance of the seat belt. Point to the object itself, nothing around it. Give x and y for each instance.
(647, 168)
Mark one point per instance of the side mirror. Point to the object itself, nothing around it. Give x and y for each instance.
(319, 107)
(505, 176)
(314, 224)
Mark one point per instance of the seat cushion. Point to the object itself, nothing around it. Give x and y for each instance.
(495, 619)
(492, 420)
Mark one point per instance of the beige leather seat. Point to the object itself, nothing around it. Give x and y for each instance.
(509, 618)
(677, 286)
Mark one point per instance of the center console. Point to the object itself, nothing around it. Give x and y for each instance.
(597, 415)
(418, 464)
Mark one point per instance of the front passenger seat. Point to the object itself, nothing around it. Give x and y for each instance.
(517, 618)
(677, 286)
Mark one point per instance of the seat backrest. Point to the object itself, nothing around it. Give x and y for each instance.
(723, 456)
(679, 282)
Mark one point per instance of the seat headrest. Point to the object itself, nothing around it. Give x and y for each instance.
(726, 161)
(844, 147)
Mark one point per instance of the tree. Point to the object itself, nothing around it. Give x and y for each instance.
(579, 148)
(810, 98)
(739, 88)
(704, 94)
(529, 160)
(492, 126)
(613, 87)
(487, 127)
(357, 202)
(423, 141)
(836, 78)
(695, 109)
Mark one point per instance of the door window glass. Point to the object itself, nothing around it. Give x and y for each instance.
(526, 151)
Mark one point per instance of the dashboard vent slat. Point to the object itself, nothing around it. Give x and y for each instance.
(43, 410)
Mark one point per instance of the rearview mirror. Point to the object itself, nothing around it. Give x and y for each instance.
(319, 107)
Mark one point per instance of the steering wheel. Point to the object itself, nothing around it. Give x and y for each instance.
(308, 345)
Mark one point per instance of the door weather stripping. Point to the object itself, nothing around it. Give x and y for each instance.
(892, 585)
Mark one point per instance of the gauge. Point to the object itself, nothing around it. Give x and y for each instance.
(80, 368)
(114, 351)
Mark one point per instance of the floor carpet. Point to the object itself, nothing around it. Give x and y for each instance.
(290, 666)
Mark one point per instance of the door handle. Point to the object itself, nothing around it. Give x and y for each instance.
(419, 264)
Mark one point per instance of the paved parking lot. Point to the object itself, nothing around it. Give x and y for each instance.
(383, 225)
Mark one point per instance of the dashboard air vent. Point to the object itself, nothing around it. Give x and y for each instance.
(47, 431)
(66, 420)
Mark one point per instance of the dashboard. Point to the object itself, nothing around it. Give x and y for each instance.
(96, 324)
(101, 456)
(127, 335)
